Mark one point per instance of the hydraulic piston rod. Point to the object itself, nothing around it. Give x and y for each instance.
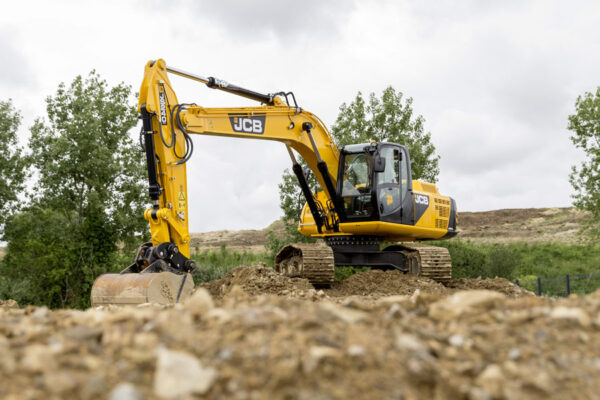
(225, 86)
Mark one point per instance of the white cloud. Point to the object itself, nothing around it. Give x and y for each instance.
(495, 81)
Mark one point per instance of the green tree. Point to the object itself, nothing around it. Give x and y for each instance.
(388, 118)
(13, 165)
(89, 195)
(585, 179)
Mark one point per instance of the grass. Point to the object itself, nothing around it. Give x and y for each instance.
(213, 264)
(536, 259)
(527, 262)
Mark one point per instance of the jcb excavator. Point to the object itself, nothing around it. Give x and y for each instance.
(367, 197)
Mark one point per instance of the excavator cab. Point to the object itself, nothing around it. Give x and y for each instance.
(374, 183)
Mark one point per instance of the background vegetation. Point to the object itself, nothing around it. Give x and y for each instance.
(585, 178)
(87, 200)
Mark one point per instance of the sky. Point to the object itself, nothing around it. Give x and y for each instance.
(494, 80)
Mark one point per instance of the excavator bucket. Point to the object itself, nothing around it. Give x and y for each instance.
(138, 288)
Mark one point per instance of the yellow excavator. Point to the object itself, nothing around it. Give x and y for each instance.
(368, 196)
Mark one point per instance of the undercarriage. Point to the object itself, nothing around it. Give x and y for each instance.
(317, 262)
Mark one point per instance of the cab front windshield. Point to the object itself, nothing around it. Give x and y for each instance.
(356, 185)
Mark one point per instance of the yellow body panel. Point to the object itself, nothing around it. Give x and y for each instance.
(433, 224)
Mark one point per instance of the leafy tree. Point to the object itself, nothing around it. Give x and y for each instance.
(388, 118)
(585, 179)
(89, 196)
(391, 119)
(13, 165)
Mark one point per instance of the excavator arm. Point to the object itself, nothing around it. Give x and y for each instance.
(167, 126)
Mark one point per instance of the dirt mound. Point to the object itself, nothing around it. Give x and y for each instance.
(496, 284)
(475, 344)
(9, 304)
(377, 283)
(256, 280)
(373, 284)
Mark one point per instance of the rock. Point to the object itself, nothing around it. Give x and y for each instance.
(476, 393)
(38, 358)
(84, 332)
(125, 391)
(514, 354)
(356, 351)
(456, 340)
(180, 374)
(571, 314)
(491, 379)
(410, 343)
(538, 380)
(200, 302)
(40, 313)
(464, 302)
(401, 298)
(348, 315)
(318, 353)
(60, 381)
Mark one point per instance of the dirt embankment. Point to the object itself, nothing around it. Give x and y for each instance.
(558, 225)
(256, 335)
(244, 240)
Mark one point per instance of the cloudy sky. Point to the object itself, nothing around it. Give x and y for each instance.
(494, 80)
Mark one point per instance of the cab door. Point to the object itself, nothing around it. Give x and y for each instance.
(392, 184)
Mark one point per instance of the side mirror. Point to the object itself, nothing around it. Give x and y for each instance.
(378, 163)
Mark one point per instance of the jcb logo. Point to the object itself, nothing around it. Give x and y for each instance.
(162, 99)
(422, 199)
(248, 124)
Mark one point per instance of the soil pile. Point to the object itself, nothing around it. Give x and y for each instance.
(435, 342)
(377, 283)
(501, 285)
(475, 344)
(367, 285)
(9, 304)
(254, 280)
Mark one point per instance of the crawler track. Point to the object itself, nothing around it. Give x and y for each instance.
(431, 261)
(311, 261)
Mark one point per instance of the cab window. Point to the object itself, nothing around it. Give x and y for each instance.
(356, 185)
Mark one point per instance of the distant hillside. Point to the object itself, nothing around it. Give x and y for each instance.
(244, 240)
(559, 225)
